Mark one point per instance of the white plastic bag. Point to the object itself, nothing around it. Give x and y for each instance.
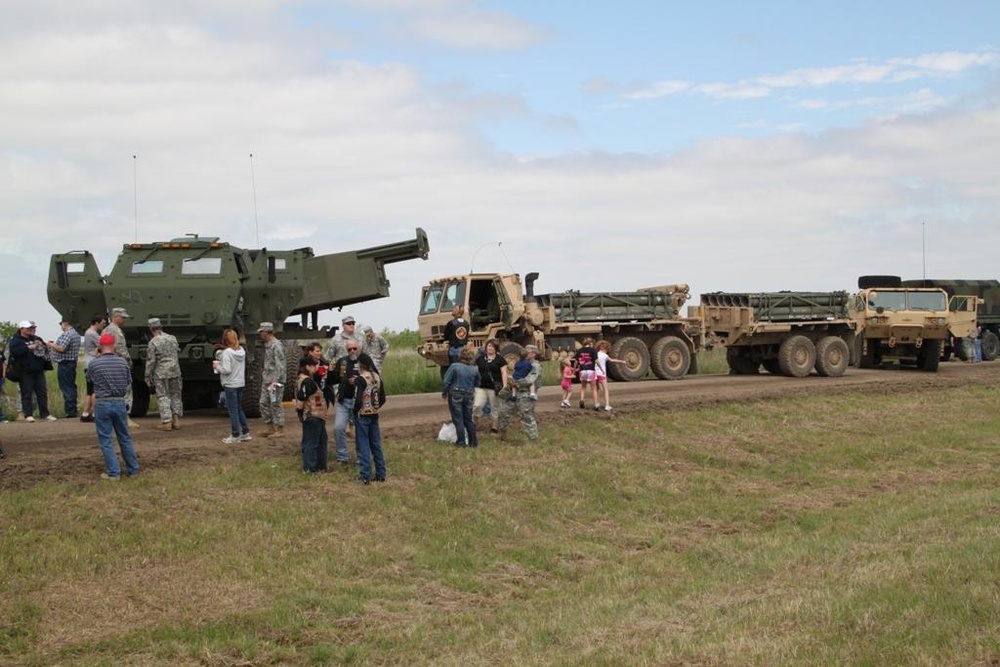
(447, 433)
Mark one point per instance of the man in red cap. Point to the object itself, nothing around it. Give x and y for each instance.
(112, 378)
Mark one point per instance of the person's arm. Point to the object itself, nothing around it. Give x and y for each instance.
(449, 379)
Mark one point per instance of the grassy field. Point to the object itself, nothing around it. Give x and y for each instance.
(797, 532)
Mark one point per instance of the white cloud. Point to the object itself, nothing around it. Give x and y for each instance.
(478, 30)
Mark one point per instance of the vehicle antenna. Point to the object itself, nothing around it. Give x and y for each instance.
(472, 262)
(253, 192)
(135, 194)
(923, 240)
(500, 246)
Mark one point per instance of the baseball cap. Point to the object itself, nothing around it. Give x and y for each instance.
(119, 312)
(107, 340)
(265, 326)
(347, 320)
(25, 324)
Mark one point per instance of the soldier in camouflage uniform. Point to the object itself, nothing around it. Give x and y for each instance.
(118, 317)
(163, 375)
(271, 409)
(521, 402)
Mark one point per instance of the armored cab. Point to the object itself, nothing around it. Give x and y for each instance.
(987, 313)
(200, 286)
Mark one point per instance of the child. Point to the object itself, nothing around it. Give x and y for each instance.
(601, 372)
(567, 381)
(525, 365)
(313, 411)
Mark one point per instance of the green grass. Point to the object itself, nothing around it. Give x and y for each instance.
(824, 530)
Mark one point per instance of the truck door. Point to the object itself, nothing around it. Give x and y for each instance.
(962, 315)
(503, 301)
(76, 287)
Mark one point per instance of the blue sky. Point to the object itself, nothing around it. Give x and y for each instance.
(738, 146)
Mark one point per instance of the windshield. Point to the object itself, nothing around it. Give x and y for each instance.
(904, 300)
(431, 299)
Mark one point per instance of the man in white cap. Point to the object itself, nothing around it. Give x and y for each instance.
(163, 375)
(27, 354)
(272, 382)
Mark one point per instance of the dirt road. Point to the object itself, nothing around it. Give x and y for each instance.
(67, 450)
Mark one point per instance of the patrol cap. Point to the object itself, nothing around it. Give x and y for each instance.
(369, 330)
(119, 312)
(265, 326)
(154, 323)
(107, 340)
(347, 320)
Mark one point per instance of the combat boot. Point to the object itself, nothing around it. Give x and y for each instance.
(175, 423)
(164, 426)
(277, 432)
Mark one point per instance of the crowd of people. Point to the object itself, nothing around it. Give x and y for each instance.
(350, 382)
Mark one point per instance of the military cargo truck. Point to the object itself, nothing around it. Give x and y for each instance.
(907, 325)
(987, 314)
(644, 327)
(199, 286)
(788, 333)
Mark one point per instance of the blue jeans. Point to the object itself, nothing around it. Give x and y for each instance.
(34, 383)
(345, 409)
(460, 404)
(66, 374)
(237, 419)
(111, 416)
(314, 445)
(368, 442)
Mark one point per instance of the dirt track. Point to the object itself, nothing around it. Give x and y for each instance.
(67, 450)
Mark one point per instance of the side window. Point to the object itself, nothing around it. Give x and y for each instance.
(204, 266)
(152, 266)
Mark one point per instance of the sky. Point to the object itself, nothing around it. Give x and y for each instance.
(735, 146)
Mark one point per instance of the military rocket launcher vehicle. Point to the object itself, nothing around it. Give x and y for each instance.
(199, 286)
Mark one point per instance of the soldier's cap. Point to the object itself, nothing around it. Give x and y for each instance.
(265, 326)
(154, 323)
(531, 348)
(65, 320)
(107, 340)
(347, 320)
(25, 324)
(368, 330)
(119, 312)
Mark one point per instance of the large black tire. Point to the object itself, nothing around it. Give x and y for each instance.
(832, 356)
(140, 399)
(251, 390)
(670, 358)
(511, 352)
(797, 356)
(929, 356)
(635, 356)
(772, 366)
(741, 364)
(991, 346)
(293, 353)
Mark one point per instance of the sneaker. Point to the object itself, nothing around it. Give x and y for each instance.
(230, 440)
(51, 418)
(597, 408)
(29, 419)
(87, 418)
(533, 397)
(245, 437)
(364, 480)
(582, 405)
(564, 404)
(607, 408)
(379, 479)
(108, 478)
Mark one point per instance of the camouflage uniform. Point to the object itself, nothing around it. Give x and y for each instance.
(522, 404)
(163, 369)
(274, 371)
(121, 349)
(338, 345)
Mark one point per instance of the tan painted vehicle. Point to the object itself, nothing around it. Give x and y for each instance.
(644, 327)
(788, 333)
(911, 326)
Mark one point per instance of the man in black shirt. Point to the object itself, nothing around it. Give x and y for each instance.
(456, 332)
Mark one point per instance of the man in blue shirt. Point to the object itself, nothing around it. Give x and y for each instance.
(112, 378)
(65, 353)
